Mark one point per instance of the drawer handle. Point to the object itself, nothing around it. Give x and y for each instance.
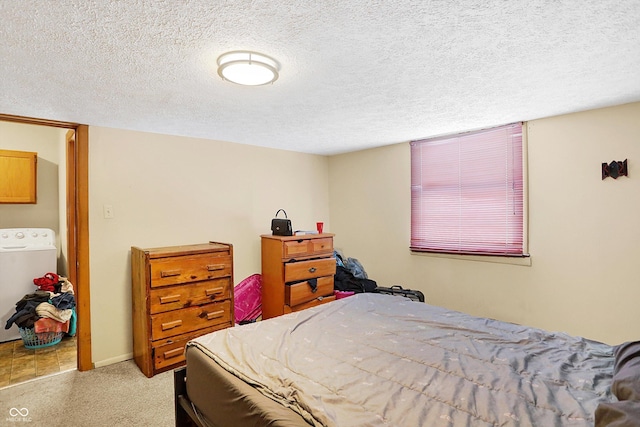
(215, 314)
(312, 270)
(169, 273)
(171, 325)
(169, 299)
(214, 291)
(215, 267)
(176, 352)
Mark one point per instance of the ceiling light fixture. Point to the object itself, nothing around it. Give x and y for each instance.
(247, 68)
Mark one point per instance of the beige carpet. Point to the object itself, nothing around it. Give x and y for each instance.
(114, 395)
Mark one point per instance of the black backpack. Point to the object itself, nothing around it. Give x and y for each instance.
(344, 280)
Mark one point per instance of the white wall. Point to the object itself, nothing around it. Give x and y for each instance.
(168, 190)
(584, 232)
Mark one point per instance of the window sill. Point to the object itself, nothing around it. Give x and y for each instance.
(525, 261)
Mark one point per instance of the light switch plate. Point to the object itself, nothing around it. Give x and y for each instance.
(108, 211)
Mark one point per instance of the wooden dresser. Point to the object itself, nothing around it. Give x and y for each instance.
(179, 293)
(292, 266)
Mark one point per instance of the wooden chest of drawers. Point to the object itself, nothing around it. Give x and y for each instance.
(297, 272)
(179, 293)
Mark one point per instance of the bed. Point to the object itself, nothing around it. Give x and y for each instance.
(380, 360)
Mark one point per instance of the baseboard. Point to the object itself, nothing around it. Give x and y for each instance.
(113, 360)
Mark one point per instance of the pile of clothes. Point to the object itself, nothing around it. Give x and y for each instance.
(49, 309)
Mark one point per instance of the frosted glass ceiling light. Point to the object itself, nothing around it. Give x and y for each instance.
(247, 68)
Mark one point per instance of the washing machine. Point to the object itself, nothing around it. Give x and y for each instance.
(25, 254)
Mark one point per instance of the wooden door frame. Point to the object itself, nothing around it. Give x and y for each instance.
(77, 149)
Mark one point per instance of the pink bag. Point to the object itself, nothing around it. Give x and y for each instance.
(343, 294)
(248, 299)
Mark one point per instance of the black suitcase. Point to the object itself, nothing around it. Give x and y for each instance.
(397, 290)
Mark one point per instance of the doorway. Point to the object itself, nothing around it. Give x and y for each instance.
(77, 142)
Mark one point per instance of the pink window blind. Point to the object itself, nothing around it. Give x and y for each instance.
(467, 193)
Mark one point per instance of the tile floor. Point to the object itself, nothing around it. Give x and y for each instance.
(19, 364)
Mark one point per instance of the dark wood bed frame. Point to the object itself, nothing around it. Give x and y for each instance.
(185, 415)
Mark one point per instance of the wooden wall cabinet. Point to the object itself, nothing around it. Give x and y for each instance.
(179, 293)
(18, 176)
(292, 266)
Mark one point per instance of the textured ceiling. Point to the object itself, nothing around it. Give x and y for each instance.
(354, 74)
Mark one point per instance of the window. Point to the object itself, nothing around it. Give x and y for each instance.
(467, 193)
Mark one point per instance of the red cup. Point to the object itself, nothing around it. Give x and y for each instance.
(319, 226)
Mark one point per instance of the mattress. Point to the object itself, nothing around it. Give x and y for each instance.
(222, 399)
(379, 360)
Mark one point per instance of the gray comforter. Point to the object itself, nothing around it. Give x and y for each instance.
(378, 360)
